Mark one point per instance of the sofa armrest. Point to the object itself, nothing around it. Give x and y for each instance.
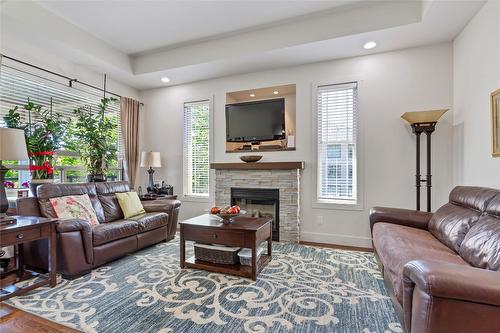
(70, 243)
(463, 283)
(444, 297)
(171, 207)
(161, 205)
(406, 217)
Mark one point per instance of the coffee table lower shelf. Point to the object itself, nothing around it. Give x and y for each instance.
(238, 270)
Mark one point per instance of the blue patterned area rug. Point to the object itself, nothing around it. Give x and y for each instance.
(303, 289)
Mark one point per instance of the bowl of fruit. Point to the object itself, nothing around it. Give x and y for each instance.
(227, 213)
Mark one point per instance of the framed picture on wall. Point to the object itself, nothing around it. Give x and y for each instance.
(495, 123)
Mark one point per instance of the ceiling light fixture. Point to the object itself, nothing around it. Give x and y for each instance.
(370, 45)
(252, 95)
(276, 92)
(165, 79)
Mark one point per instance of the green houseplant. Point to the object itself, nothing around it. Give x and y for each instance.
(95, 138)
(44, 131)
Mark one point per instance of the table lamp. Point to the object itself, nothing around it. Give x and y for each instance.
(150, 159)
(420, 122)
(12, 147)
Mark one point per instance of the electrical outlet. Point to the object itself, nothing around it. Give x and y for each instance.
(319, 219)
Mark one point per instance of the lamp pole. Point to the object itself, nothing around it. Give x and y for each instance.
(418, 129)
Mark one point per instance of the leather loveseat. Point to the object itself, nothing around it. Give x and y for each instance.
(443, 269)
(81, 247)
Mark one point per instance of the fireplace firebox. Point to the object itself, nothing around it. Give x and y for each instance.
(259, 202)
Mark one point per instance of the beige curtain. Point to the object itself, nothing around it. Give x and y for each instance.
(130, 132)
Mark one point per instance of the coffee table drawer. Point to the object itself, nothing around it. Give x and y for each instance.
(12, 238)
(222, 237)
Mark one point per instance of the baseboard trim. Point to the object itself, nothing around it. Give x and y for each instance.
(336, 239)
(336, 246)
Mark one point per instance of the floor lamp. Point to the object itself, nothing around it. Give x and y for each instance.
(423, 122)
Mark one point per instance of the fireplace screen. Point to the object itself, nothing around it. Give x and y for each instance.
(259, 203)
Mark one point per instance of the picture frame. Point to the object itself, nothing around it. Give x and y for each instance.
(495, 123)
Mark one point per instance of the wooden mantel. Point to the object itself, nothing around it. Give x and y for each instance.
(258, 165)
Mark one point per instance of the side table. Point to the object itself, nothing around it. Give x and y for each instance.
(25, 230)
(158, 197)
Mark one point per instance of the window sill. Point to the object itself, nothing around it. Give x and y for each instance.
(195, 198)
(337, 205)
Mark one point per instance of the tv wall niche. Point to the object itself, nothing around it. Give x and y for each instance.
(246, 108)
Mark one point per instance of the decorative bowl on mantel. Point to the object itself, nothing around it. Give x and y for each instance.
(250, 158)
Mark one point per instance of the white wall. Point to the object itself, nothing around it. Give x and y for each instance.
(389, 84)
(476, 73)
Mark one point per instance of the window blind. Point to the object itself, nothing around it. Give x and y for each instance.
(196, 148)
(17, 86)
(337, 129)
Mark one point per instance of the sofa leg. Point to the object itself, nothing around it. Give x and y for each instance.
(169, 238)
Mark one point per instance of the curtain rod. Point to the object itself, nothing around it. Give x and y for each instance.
(70, 80)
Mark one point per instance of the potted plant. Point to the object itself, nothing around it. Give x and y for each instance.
(95, 138)
(44, 131)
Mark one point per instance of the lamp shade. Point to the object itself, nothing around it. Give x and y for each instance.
(423, 117)
(150, 159)
(12, 144)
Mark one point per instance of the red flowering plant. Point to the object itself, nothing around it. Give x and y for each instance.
(43, 131)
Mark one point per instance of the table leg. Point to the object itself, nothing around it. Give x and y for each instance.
(52, 256)
(182, 249)
(254, 260)
(20, 264)
(270, 242)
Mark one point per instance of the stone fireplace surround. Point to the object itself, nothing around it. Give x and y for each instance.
(284, 176)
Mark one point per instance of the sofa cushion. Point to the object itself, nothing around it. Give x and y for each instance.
(150, 221)
(111, 208)
(481, 245)
(74, 207)
(47, 191)
(452, 221)
(396, 245)
(130, 204)
(108, 232)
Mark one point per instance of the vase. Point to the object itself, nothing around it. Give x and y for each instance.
(94, 178)
(34, 183)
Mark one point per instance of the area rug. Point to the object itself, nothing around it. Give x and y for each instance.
(303, 289)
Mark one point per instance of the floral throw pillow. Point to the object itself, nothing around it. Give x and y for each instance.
(75, 207)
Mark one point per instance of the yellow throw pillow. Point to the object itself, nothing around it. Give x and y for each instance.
(75, 207)
(130, 203)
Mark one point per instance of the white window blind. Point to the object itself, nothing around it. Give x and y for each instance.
(337, 128)
(196, 148)
(18, 86)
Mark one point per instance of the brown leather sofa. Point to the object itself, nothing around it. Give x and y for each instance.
(82, 247)
(443, 269)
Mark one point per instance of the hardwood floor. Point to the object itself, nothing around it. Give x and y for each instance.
(17, 321)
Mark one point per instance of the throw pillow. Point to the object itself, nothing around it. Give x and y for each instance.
(130, 203)
(75, 207)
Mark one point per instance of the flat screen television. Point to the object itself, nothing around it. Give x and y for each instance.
(256, 121)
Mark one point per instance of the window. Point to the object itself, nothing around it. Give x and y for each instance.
(196, 148)
(18, 85)
(337, 116)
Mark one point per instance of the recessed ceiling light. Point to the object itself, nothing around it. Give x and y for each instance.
(165, 79)
(276, 92)
(370, 45)
(252, 95)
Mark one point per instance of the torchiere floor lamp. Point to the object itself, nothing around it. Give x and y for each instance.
(423, 122)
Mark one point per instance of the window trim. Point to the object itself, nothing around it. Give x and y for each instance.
(338, 204)
(211, 173)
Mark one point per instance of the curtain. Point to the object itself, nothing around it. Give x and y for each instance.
(130, 132)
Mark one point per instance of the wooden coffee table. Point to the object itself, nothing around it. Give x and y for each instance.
(244, 231)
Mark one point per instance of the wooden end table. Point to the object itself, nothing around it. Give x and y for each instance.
(244, 231)
(25, 230)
